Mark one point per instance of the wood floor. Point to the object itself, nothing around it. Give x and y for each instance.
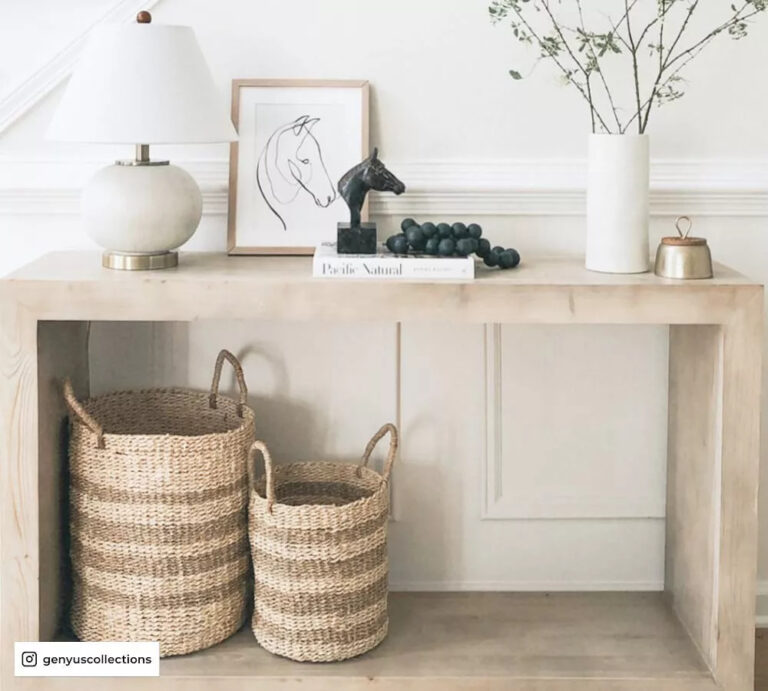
(761, 660)
(510, 637)
(497, 636)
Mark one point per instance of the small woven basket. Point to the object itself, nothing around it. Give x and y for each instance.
(158, 499)
(318, 534)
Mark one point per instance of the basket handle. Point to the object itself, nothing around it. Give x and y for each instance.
(226, 355)
(394, 442)
(76, 408)
(268, 470)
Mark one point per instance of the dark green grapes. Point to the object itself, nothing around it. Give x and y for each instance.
(416, 238)
(450, 240)
(429, 230)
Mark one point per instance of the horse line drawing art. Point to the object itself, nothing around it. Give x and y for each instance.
(291, 164)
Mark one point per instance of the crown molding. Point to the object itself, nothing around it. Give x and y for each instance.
(39, 84)
(513, 187)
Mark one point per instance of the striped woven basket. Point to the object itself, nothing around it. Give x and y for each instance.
(158, 499)
(318, 534)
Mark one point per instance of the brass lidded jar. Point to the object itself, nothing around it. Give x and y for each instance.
(682, 256)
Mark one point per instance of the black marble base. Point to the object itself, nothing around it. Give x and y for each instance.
(360, 240)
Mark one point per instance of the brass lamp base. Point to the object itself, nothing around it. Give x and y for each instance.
(139, 262)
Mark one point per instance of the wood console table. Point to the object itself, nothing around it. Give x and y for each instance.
(698, 635)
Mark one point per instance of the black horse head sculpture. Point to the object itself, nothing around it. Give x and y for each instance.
(371, 174)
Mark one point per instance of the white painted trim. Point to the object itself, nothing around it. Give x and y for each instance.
(516, 187)
(761, 607)
(527, 586)
(17, 102)
(493, 468)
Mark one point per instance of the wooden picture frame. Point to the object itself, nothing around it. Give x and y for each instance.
(265, 207)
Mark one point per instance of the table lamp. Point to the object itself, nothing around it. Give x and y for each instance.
(141, 83)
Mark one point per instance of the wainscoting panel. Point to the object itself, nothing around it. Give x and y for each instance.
(576, 421)
(440, 541)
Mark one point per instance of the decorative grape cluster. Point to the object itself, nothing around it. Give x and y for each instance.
(444, 240)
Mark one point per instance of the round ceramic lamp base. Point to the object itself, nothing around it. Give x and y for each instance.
(140, 212)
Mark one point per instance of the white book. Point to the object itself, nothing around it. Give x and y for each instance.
(384, 265)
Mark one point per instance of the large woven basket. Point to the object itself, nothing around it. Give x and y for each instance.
(318, 534)
(158, 499)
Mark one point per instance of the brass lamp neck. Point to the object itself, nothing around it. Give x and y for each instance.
(142, 153)
(141, 158)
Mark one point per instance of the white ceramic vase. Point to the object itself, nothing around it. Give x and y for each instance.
(617, 203)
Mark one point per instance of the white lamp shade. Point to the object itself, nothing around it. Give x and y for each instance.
(142, 84)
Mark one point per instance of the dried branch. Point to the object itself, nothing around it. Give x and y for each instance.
(687, 55)
(568, 73)
(596, 62)
(565, 45)
(635, 66)
(581, 68)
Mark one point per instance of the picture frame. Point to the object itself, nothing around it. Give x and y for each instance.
(296, 139)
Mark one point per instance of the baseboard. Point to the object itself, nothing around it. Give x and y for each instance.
(762, 604)
(525, 586)
(761, 617)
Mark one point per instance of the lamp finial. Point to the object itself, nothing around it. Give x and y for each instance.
(144, 17)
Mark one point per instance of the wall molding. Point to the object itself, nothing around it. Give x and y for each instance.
(520, 505)
(556, 187)
(517, 187)
(40, 83)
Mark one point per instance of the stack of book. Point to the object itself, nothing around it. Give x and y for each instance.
(384, 265)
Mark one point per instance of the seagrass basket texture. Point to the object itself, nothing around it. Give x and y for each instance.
(158, 527)
(318, 534)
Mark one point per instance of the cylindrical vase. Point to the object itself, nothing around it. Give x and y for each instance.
(617, 203)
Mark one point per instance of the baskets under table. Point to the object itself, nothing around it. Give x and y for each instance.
(318, 534)
(158, 499)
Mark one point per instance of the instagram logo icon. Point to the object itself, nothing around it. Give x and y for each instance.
(29, 659)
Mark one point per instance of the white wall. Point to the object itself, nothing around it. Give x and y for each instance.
(469, 142)
(26, 46)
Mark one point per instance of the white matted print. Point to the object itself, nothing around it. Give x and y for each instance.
(296, 139)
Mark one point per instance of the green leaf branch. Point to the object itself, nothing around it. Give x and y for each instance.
(580, 53)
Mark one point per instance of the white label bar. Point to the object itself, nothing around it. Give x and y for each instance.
(75, 659)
